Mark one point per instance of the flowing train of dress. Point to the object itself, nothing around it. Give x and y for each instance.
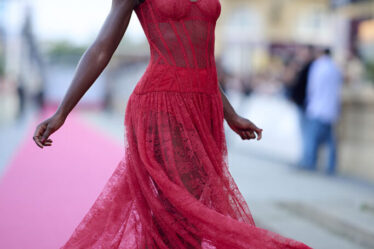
(172, 189)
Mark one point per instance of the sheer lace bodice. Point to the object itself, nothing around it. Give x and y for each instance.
(181, 38)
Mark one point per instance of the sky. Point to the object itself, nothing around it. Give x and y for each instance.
(78, 21)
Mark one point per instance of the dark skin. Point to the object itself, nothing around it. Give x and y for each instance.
(94, 61)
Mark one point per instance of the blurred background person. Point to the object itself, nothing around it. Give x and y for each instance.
(322, 111)
(303, 60)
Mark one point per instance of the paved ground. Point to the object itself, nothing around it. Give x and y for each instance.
(324, 212)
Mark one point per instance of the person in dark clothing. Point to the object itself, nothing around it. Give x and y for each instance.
(298, 92)
(305, 58)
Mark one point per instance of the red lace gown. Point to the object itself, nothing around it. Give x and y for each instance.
(172, 189)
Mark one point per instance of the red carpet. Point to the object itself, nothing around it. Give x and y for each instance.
(44, 193)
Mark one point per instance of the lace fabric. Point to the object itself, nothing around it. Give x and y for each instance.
(172, 189)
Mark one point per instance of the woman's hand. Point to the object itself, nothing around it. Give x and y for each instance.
(46, 128)
(244, 128)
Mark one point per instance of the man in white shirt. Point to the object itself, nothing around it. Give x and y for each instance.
(322, 110)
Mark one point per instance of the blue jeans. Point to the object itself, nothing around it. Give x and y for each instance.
(316, 134)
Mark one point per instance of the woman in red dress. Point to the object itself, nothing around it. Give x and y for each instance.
(172, 189)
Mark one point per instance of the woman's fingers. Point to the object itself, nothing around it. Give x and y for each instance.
(41, 135)
(40, 130)
(38, 133)
(38, 143)
(48, 142)
(242, 135)
(246, 135)
(259, 133)
(250, 134)
(46, 134)
(257, 130)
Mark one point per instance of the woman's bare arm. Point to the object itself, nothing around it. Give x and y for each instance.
(98, 55)
(90, 66)
(228, 110)
(242, 126)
